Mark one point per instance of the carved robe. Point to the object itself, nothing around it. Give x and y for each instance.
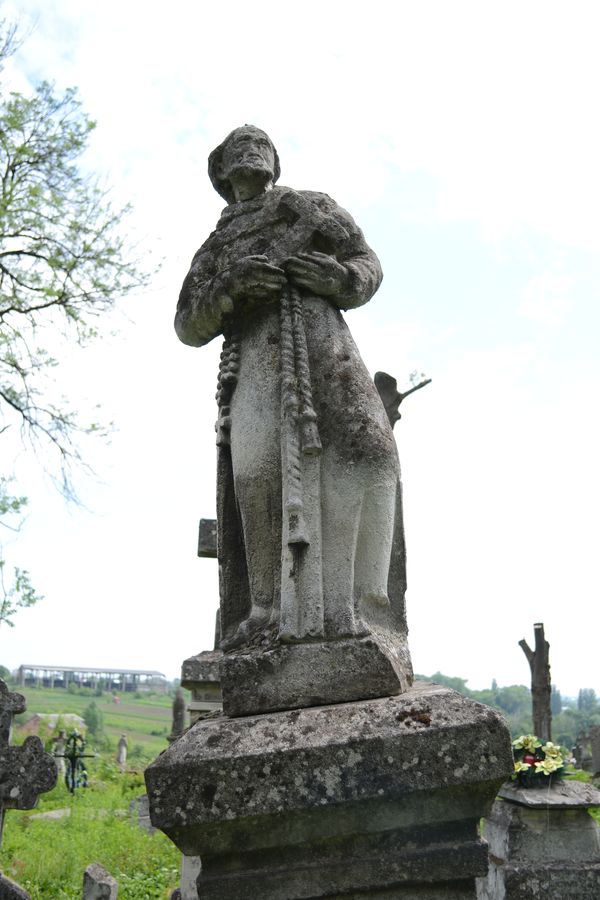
(354, 563)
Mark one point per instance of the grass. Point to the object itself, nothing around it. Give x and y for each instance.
(48, 856)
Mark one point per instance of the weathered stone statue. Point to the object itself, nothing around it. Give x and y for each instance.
(351, 782)
(310, 535)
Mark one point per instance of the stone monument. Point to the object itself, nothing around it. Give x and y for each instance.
(311, 543)
(200, 673)
(178, 716)
(327, 773)
(122, 752)
(58, 752)
(25, 773)
(543, 844)
(98, 884)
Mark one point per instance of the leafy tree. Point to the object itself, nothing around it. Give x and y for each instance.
(94, 719)
(18, 592)
(63, 263)
(457, 684)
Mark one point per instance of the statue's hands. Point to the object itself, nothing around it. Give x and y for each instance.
(317, 272)
(254, 278)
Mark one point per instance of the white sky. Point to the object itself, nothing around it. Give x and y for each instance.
(464, 139)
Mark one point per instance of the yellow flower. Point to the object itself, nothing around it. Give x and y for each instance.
(548, 765)
(520, 766)
(527, 742)
(552, 750)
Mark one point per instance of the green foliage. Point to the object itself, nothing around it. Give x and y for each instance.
(48, 857)
(62, 260)
(16, 592)
(514, 701)
(586, 700)
(555, 701)
(457, 684)
(94, 719)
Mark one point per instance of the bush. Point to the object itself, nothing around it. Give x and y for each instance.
(94, 719)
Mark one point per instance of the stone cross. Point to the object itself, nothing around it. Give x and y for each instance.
(541, 687)
(207, 538)
(391, 397)
(26, 771)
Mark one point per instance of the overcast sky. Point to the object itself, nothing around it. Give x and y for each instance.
(464, 139)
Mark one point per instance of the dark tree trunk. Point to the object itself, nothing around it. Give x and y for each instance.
(541, 688)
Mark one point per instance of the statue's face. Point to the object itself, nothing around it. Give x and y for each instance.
(248, 151)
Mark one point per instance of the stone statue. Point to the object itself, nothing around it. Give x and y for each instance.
(310, 534)
(122, 751)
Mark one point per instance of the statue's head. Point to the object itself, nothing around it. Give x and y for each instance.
(246, 153)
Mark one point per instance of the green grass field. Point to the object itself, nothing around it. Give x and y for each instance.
(48, 856)
(145, 721)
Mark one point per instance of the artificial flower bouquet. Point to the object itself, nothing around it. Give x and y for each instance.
(537, 764)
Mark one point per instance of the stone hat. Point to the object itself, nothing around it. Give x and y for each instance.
(221, 185)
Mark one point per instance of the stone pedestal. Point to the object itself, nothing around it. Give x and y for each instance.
(379, 798)
(543, 843)
(285, 676)
(200, 675)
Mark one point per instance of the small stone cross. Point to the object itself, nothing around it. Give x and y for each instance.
(26, 771)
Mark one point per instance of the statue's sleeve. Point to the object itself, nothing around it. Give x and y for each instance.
(203, 301)
(361, 262)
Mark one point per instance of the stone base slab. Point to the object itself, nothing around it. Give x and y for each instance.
(288, 676)
(379, 798)
(562, 881)
(543, 843)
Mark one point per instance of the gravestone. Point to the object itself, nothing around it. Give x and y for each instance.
(9, 890)
(543, 844)
(595, 744)
(59, 752)
(98, 884)
(328, 773)
(122, 752)
(25, 772)
(178, 716)
(200, 674)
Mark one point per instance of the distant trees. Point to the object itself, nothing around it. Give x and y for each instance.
(570, 716)
(555, 701)
(586, 700)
